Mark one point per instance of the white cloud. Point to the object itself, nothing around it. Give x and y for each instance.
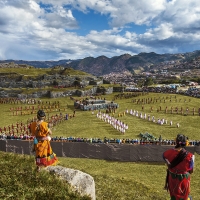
(162, 32)
(121, 12)
(182, 14)
(137, 12)
(28, 30)
(60, 18)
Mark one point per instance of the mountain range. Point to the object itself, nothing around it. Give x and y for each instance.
(103, 65)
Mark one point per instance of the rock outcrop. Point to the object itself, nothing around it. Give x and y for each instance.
(80, 181)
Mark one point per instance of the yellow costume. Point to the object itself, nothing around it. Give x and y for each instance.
(44, 154)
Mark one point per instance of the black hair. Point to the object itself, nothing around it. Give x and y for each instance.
(181, 140)
(40, 114)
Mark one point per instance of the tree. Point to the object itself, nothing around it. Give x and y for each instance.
(149, 81)
(140, 83)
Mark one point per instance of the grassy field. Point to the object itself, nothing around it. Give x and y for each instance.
(124, 180)
(86, 124)
(113, 180)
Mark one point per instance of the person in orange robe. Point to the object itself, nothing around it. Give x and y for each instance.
(43, 151)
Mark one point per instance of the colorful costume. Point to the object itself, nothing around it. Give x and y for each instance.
(44, 154)
(178, 179)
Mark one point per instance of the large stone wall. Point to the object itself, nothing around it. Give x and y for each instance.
(51, 94)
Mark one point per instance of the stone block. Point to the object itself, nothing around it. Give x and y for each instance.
(81, 182)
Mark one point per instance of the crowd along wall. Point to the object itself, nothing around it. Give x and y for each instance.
(111, 152)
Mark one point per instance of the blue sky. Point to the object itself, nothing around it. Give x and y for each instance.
(75, 29)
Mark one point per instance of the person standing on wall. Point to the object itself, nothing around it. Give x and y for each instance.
(180, 164)
(43, 151)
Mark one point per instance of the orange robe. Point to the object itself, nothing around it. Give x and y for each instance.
(44, 154)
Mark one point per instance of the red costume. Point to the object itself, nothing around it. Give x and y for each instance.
(179, 176)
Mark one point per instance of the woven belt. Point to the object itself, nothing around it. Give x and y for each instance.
(179, 176)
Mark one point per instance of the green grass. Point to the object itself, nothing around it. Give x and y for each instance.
(123, 180)
(20, 180)
(26, 71)
(72, 72)
(113, 180)
(34, 72)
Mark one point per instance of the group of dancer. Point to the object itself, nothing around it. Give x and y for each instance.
(116, 123)
(29, 110)
(160, 121)
(21, 130)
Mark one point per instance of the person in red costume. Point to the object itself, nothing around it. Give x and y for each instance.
(180, 164)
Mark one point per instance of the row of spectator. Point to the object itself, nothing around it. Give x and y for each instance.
(98, 140)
